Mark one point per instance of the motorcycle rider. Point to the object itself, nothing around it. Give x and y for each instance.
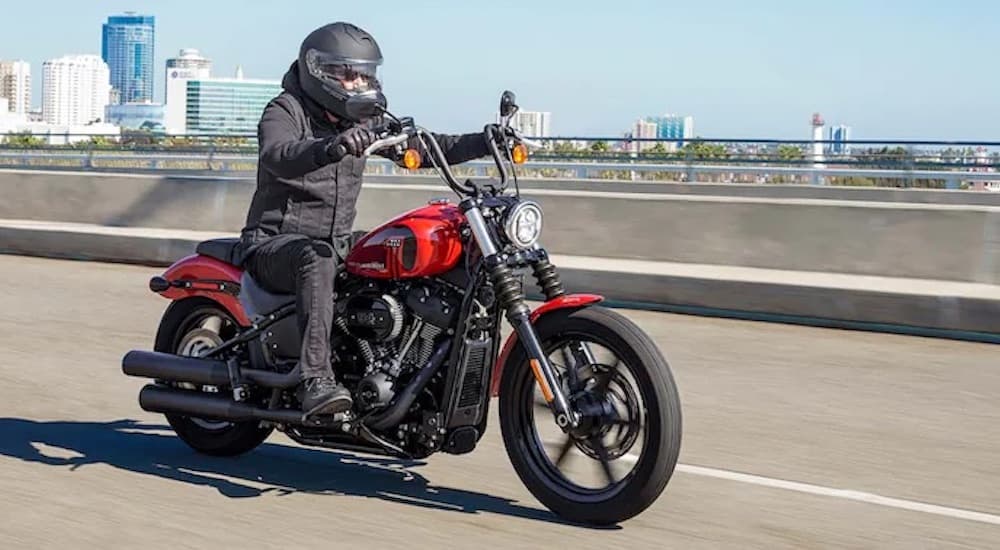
(298, 228)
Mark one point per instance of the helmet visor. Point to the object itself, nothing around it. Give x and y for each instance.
(352, 75)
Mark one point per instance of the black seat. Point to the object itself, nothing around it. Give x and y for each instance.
(220, 249)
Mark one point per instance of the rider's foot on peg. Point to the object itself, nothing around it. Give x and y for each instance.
(323, 396)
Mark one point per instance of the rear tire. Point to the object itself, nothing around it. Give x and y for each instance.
(187, 326)
(620, 499)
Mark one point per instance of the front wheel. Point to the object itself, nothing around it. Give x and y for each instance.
(618, 461)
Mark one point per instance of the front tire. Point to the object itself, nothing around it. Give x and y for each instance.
(188, 327)
(639, 373)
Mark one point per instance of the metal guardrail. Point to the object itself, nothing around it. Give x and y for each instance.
(634, 169)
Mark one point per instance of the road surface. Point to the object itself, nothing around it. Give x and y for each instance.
(794, 437)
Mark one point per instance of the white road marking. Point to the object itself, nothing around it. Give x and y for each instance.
(847, 494)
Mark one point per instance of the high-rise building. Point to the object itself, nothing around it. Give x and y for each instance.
(15, 85)
(643, 129)
(673, 127)
(840, 136)
(189, 64)
(817, 125)
(75, 89)
(532, 123)
(127, 48)
(677, 129)
(217, 105)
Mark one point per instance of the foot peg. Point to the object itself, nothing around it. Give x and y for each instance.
(328, 420)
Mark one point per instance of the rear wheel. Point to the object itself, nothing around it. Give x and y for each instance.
(189, 328)
(620, 458)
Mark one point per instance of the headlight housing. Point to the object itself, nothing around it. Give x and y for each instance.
(523, 224)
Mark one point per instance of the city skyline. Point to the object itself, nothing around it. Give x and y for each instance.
(739, 84)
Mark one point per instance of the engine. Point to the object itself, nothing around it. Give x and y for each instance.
(394, 330)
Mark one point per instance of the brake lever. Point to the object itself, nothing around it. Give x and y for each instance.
(516, 134)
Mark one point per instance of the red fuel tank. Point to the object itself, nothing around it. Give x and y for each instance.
(420, 243)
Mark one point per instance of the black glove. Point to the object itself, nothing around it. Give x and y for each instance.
(352, 141)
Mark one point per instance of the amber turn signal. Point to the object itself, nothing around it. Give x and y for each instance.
(411, 159)
(519, 154)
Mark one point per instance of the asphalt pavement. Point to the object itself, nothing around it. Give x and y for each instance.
(794, 437)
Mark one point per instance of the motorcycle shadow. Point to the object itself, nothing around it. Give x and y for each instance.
(152, 449)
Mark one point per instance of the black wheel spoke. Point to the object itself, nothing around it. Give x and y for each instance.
(567, 446)
(602, 456)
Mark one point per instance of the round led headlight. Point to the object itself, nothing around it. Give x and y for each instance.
(523, 224)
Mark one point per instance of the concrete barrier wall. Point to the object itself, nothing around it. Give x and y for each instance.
(759, 191)
(920, 239)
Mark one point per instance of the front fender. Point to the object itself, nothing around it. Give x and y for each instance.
(568, 301)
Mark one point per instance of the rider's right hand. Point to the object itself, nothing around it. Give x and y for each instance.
(352, 141)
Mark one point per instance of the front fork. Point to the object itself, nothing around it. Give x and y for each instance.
(566, 417)
(511, 297)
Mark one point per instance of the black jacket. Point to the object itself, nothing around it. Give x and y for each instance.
(298, 189)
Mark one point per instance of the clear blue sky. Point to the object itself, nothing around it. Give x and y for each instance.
(888, 68)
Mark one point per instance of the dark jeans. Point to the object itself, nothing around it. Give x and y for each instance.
(296, 264)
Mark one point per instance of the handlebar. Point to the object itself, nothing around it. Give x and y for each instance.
(390, 141)
(493, 133)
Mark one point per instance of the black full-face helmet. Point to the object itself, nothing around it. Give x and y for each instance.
(339, 63)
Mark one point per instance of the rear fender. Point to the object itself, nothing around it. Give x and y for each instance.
(206, 277)
(569, 301)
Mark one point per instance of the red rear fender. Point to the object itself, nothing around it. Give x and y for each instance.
(569, 301)
(209, 278)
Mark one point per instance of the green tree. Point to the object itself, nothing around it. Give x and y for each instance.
(23, 139)
(96, 142)
(563, 147)
(700, 150)
(788, 153)
(599, 147)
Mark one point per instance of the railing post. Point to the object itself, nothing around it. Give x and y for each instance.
(910, 166)
(689, 172)
(814, 176)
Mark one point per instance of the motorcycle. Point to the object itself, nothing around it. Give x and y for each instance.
(418, 314)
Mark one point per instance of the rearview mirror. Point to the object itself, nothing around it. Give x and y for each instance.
(507, 105)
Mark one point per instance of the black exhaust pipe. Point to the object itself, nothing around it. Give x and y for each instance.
(209, 372)
(175, 368)
(160, 399)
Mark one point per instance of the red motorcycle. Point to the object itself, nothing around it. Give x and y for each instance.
(588, 408)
